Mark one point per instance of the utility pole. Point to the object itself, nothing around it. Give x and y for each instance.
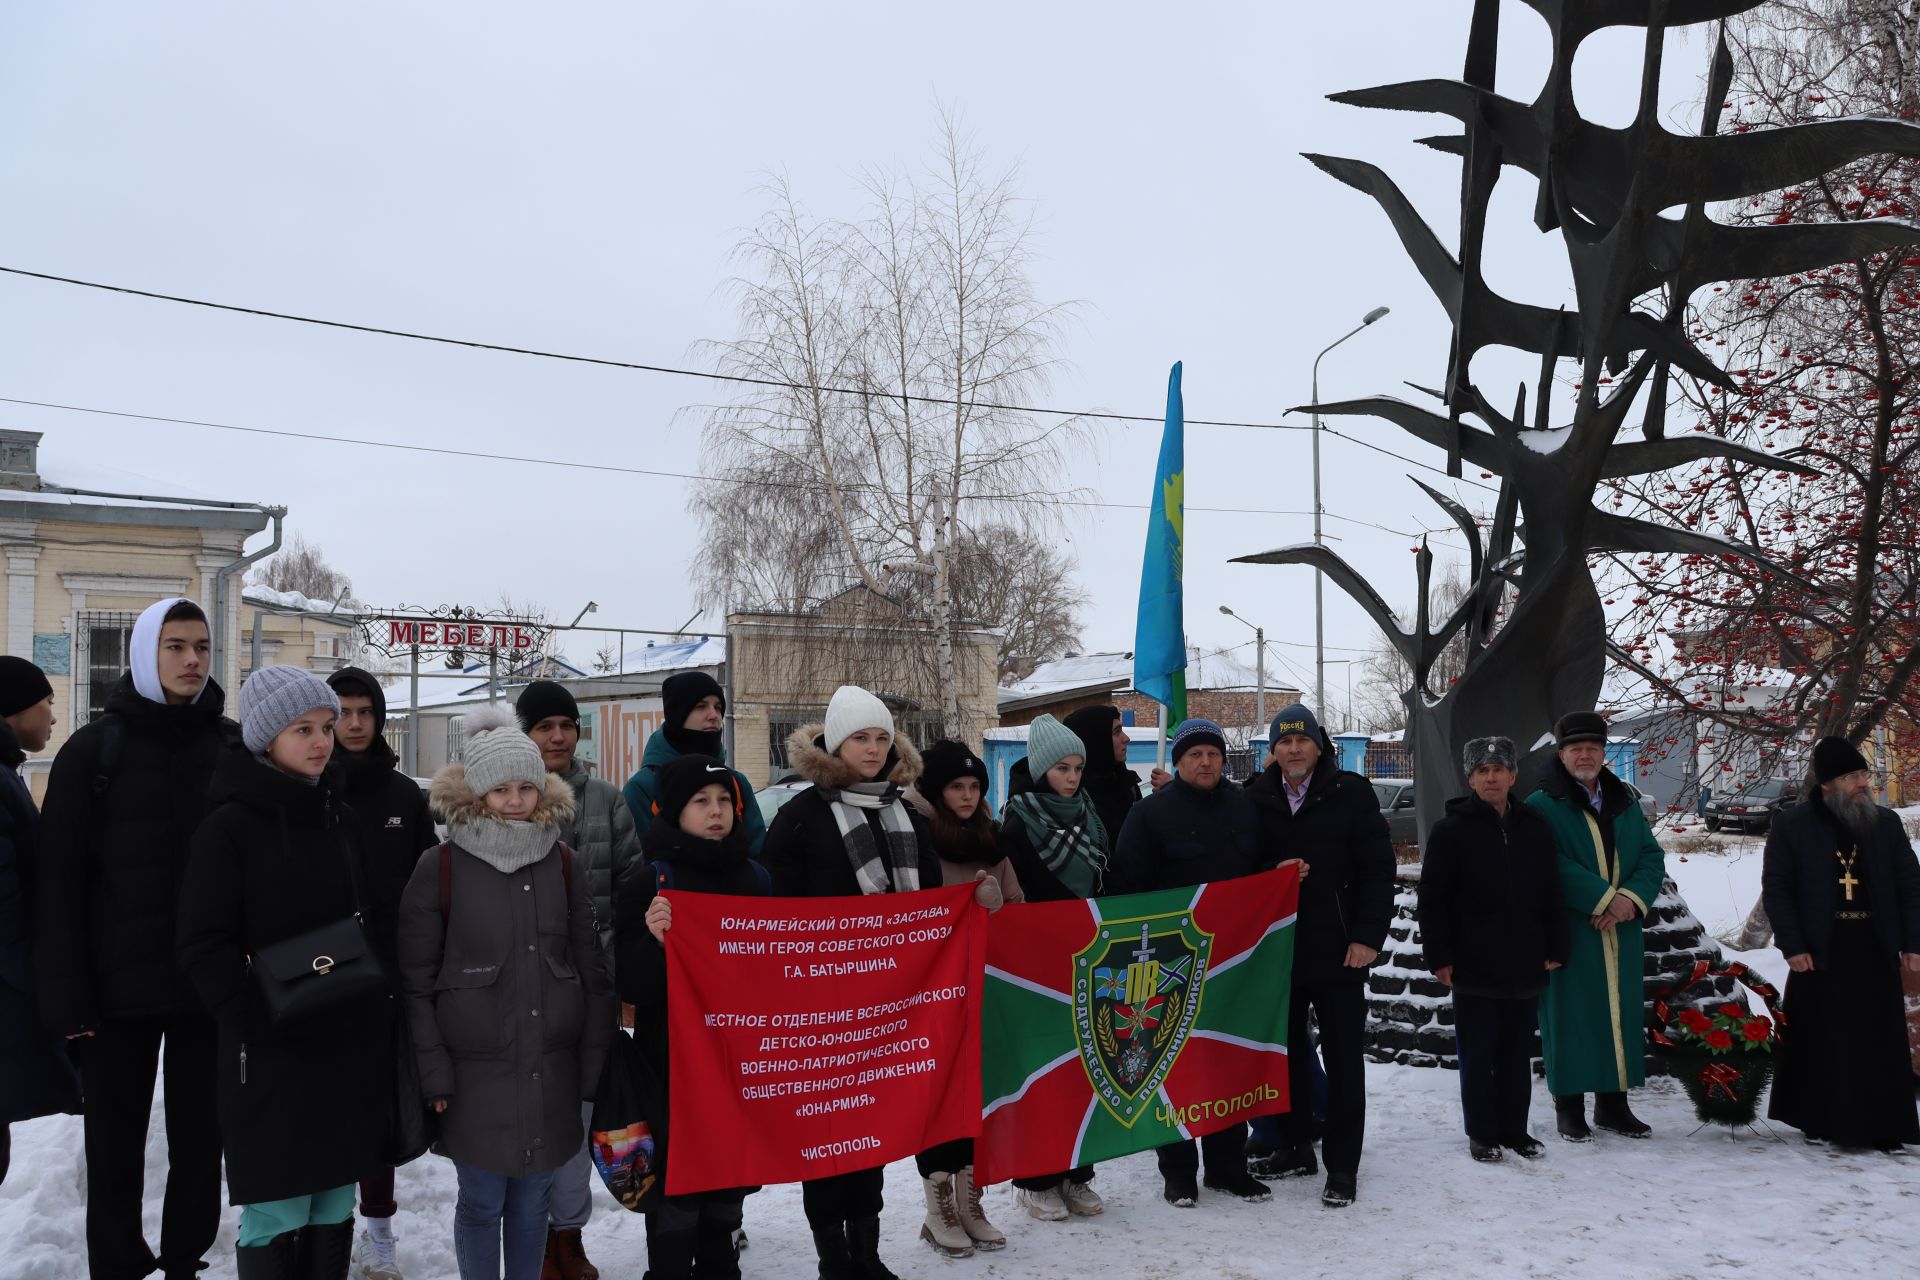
(1319, 578)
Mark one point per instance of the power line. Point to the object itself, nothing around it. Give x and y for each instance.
(618, 469)
(701, 373)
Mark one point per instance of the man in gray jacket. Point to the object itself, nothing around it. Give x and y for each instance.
(604, 847)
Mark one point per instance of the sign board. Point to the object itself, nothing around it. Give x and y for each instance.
(620, 733)
(457, 629)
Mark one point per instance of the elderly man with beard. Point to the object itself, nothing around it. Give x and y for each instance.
(1611, 869)
(1842, 889)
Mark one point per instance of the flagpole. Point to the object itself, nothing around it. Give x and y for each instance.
(1162, 765)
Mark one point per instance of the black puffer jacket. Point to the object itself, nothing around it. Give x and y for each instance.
(1182, 835)
(110, 867)
(393, 821)
(35, 1077)
(803, 849)
(1340, 833)
(1800, 882)
(302, 1107)
(1490, 898)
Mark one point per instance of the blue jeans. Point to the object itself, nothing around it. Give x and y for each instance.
(495, 1214)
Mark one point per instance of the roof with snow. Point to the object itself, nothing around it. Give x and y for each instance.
(295, 602)
(113, 489)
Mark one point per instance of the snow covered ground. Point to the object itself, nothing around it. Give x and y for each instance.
(1684, 1204)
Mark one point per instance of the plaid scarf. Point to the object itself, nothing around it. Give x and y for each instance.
(871, 864)
(1066, 834)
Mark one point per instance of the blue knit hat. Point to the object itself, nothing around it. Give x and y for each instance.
(1295, 719)
(1048, 743)
(1196, 733)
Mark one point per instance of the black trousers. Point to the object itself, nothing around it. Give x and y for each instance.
(118, 1065)
(1340, 1007)
(842, 1197)
(948, 1157)
(1225, 1151)
(1081, 1177)
(1493, 1037)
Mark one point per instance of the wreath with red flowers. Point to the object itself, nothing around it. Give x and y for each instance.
(1718, 1030)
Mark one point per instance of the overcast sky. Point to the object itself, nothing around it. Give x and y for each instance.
(572, 177)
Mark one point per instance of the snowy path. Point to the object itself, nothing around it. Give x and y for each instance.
(1681, 1205)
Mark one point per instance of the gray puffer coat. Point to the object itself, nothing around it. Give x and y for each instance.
(507, 992)
(601, 835)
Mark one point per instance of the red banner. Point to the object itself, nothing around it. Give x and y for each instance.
(814, 1036)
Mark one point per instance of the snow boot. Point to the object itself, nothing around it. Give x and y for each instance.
(568, 1256)
(328, 1249)
(1341, 1191)
(1570, 1115)
(1044, 1203)
(973, 1217)
(277, 1259)
(1081, 1199)
(942, 1228)
(1610, 1113)
(670, 1255)
(714, 1254)
(1181, 1191)
(1526, 1146)
(1238, 1183)
(1484, 1152)
(863, 1248)
(1285, 1162)
(830, 1246)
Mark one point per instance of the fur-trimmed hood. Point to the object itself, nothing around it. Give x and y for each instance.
(807, 753)
(454, 801)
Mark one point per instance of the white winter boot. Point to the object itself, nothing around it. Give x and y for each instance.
(943, 1229)
(1045, 1205)
(373, 1253)
(973, 1218)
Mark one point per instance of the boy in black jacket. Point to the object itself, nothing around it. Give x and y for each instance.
(1492, 926)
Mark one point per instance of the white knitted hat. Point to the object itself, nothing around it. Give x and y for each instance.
(851, 710)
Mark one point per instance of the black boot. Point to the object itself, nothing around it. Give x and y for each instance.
(1285, 1162)
(1570, 1115)
(277, 1259)
(714, 1257)
(1610, 1113)
(830, 1245)
(329, 1248)
(863, 1248)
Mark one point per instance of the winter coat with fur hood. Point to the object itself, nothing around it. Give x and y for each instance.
(507, 995)
(804, 852)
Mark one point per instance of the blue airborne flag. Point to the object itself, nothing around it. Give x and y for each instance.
(1160, 636)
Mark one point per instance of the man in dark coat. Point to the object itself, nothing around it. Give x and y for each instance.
(1108, 782)
(1198, 829)
(35, 1077)
(394, 824)
(602, 839)
(1492, 928)
(1313, 810)
(1842, 888)
(123, 800)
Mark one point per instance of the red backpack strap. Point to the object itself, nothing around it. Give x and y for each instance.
(446, 881)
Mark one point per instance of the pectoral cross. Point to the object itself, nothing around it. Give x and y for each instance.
(1847, 881)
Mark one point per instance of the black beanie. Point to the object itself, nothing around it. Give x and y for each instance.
(544, 698)
(948, 761)
(681, 778)
(681, 693)
(21, 685)
(1836, 758)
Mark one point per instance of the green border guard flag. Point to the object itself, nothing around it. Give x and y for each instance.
(1160, 635)
(1117, 1024)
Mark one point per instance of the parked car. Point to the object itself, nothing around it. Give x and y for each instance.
(1753, 807)
(775, 794)
(1396, 802)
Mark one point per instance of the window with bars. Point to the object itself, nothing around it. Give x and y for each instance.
(104, 638)
(921, 728)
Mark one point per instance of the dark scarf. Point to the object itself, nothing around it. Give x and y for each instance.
(972, 843)
(696, 742)
(1066, 834)
(666, 842)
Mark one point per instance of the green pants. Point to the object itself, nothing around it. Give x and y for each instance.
(260, 1223)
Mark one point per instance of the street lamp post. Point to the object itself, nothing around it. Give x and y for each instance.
(1259, 665)
(1319, 579)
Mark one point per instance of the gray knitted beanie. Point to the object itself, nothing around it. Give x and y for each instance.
(496, 750)
(274, 697)
(1048, 743)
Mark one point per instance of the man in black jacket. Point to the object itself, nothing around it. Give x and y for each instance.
(395, 826)
(1842, 888)
(1313, 810)
(1492, 926)
(123, 800)
(1198, 829)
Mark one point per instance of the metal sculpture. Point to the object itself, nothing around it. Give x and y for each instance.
(1535, 631)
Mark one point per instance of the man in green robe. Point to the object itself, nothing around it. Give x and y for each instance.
(1592, 1017)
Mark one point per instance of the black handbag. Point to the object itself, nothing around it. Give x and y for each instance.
(320, 969)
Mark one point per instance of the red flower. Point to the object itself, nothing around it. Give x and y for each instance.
(1757, 1030)
(1734, 1011)
(1717, 1039)
(1696, 1021)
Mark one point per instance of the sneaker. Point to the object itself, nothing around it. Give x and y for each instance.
(374, 1259)
(1045, 1205)
(1340, 1191)
(1484, 1152)
(1527, 1147)
(1239, 1183)
(1181, 1191)
(1081, 1199)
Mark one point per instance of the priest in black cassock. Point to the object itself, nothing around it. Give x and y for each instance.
(1842, 888)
